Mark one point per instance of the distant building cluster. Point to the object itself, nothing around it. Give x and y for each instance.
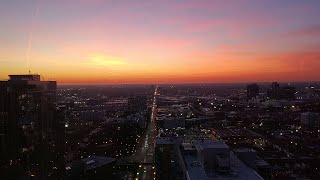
(265, 131)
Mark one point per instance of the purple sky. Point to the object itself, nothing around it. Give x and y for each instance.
(118, 41)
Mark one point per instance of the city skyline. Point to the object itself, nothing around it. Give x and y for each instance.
(112, 42)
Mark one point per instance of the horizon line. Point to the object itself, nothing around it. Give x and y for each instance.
(192, 83)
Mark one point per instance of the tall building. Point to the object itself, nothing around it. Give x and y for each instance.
(164, 152)
(252, 91)
(31, 128)
(275, 86)
(310, 120)
(288, 92)
(274, 92)
(277, 92)
(168, 159)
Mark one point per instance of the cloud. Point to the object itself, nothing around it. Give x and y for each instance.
(311, 31)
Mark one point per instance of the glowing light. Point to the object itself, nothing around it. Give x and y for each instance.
(106, 60)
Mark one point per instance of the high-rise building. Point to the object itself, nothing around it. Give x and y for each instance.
(164, 151)
(310, 120)
(252, 91)
(275, 86)
(277, 92)
(288, 92)
(274, 92)
(31, 128)
(168, 159)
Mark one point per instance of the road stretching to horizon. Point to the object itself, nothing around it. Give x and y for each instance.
(145, 149)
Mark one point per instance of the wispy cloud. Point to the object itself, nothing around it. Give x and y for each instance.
(313, 30)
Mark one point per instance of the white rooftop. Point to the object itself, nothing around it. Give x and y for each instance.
(238, 170)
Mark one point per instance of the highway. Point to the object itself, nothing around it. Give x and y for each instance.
(145, 149)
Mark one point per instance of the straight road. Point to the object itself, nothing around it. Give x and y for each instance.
(145, 149)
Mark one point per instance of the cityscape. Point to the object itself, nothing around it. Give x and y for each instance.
(159, 90)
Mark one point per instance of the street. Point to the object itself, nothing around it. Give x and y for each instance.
(145, 148)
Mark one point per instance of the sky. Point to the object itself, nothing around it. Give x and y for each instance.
(161, 41)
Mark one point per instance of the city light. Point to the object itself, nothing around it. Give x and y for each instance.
(159, 89)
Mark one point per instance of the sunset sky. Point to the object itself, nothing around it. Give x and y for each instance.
(161, 41)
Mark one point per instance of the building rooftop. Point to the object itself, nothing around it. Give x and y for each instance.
(77, 167)
(32, 77)
(238, 170)
(164, 141)
(188, 146)
(96, 161)
(211, 144)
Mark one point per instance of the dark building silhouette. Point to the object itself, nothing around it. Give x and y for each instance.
(288, 92)
(275, 86)
(274, 92)
(31, 129)
(252, 91)
(164, 152)
(310, 120)
(285, 93)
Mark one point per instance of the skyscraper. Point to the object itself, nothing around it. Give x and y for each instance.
(252, 91)
(275, 91)
(30, 127)
(286, 92)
